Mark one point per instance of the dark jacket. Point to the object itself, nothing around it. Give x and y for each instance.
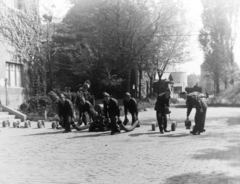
(74, 97)
(65, 109)
(111, 109)
(162, 102)
(194, 101)
(87, 107)
(68, 95)
(82, 93)
(130, 106)
(86, 95)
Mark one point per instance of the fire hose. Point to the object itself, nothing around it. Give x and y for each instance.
(128, 129)
(78, 128)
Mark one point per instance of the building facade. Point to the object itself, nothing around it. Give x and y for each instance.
(179, 82)
(14, 19)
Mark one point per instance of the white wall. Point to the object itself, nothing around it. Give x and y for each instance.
(16, 95)
(180, 78)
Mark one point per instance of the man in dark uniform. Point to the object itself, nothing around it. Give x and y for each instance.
(83, 91)
(161, 104)
(130, 104)
(85, 106)
(67, 93)
(201, 110)
(65, 113)
(111, 110)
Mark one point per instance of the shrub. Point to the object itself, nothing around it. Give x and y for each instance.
(37, 105)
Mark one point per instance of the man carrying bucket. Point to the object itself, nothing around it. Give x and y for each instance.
(160, 107)
(201, 110)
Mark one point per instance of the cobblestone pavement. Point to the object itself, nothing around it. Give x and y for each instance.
(31, 156)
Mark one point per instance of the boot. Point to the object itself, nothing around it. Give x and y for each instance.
(161, 130)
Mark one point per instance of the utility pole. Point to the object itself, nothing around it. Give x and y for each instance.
(48, 19)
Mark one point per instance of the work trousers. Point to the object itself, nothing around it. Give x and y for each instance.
(200, 118)
(134, 117)
(66, 122)
(114, 126)
(162, 121)
(91, 114)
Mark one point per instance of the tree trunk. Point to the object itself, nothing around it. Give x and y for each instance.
(218, 88)
(226, 83)
(128, 83)
(147, 88)
(49, 49)
(151, 86)
(159, 82)
(140, 84)
(136, 79)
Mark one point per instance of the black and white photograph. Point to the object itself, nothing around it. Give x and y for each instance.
(119, 91)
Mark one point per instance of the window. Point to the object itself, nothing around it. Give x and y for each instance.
(14, 74)
(177, 89)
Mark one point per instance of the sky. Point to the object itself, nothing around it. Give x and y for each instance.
(59, 9)
(193, 14)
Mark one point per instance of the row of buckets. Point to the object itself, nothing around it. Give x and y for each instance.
(188, 125)
(24, 124)
(16, 124)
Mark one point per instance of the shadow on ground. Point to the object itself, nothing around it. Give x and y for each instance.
(92, 134)
(233, 121)
(230, 153)
(58, 131)
(97, 134)
(46, 133)
(198, 178)
(169, 134)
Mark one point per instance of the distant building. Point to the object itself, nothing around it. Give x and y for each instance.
(177, 81)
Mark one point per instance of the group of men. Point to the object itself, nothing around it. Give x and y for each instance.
(192, 100)
(111, 110)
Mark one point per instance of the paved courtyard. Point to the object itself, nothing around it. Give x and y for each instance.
(31, 156)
